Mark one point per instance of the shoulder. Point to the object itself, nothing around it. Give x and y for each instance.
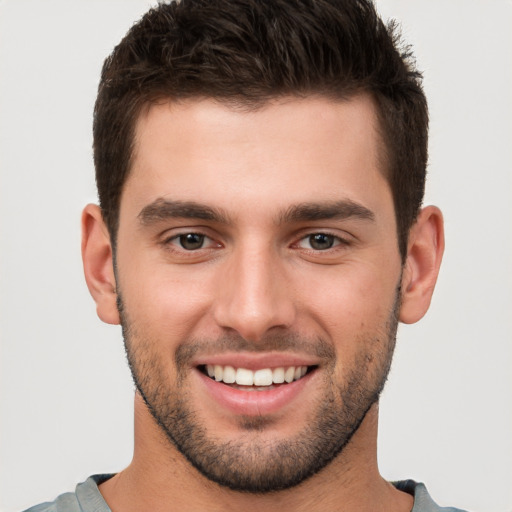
(65, 502)
(86, 498)
(422, 499)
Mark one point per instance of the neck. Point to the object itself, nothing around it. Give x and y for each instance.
(160, 479)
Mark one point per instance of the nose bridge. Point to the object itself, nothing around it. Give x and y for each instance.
(254, 296)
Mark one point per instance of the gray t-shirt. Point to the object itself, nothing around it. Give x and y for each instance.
(87, 498)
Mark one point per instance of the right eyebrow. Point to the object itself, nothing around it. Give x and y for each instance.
(163, 209)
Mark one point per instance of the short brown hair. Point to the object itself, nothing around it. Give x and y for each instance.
(245, 52)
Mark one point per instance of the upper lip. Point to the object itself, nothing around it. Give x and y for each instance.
(252, 361)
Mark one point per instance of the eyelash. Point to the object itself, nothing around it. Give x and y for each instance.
(179, 240)
(335, 241)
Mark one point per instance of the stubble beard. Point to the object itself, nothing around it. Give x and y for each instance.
(252, 463)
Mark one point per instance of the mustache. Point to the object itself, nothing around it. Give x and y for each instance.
(272, 342)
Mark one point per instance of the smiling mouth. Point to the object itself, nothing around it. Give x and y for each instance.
(263, 379)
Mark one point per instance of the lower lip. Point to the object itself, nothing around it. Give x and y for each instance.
(254, 403)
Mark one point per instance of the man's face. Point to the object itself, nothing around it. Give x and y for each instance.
(258, 247)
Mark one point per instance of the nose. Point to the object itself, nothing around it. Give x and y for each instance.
(254, 295)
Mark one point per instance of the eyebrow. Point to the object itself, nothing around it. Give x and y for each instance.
(337, 210)
(163, 209)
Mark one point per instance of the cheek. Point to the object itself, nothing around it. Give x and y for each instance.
(350, 299)
(357, 320)
(167, 303)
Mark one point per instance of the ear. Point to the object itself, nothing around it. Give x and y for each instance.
(98, 264)
(424, 253)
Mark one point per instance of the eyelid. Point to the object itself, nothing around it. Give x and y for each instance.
(340, 239)
(337, 241)
(171, 238)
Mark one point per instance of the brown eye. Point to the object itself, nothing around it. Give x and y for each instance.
(321, 241)
(191, 241)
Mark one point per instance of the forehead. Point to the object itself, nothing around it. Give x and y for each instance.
(287, 150)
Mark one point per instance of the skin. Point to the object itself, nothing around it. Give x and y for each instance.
(257, 276)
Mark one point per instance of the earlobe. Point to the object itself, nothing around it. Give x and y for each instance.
(424, 255)
(98, 264)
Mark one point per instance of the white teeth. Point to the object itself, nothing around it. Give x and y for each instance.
(229, 375)
(278, 375)
(260, 378)
(263, 377)
(244, 377)
(218, 373)
(289, 374)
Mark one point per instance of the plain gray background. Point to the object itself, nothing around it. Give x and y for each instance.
(66, 394)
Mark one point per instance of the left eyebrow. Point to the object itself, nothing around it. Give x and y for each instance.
(337, 210)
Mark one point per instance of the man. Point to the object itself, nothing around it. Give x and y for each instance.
(260, 168)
